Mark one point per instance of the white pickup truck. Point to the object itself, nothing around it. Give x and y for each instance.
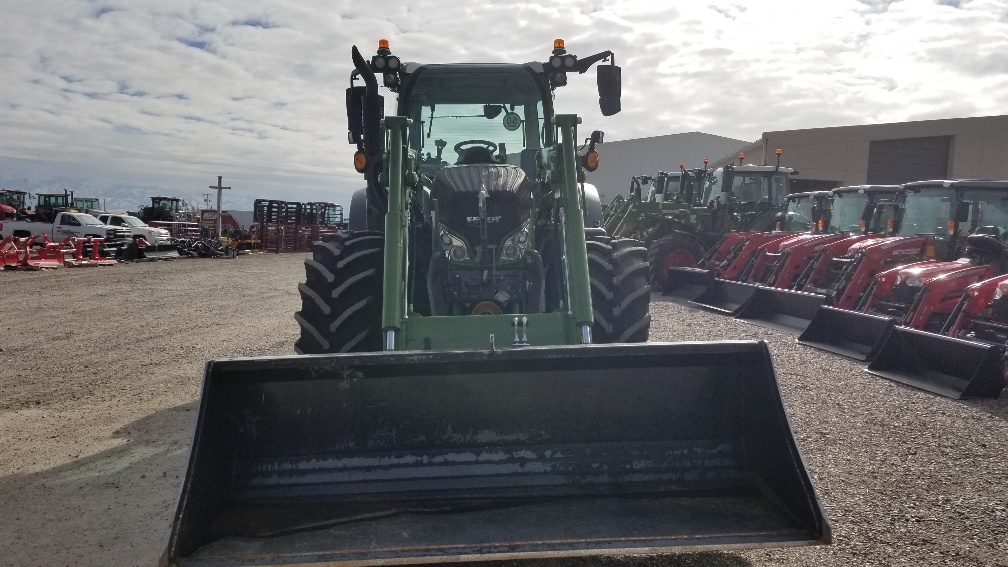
(137, 227)
(158, 241)
(66, 224)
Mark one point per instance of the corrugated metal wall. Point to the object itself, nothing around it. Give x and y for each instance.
(908, 159)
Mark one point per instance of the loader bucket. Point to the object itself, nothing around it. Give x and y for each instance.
(948, 366)
(684, 284)
(725, 296)
(431, 457)
(781, 309)
(848, 333)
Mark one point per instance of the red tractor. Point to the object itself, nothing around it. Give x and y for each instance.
(727, 258)
(905, 307)
(837, 215)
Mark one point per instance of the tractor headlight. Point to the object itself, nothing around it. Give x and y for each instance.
(454, 247)
(514, 247)
(998, 293)
(915, 282)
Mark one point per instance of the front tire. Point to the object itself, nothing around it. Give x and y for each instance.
(341, 298)
(673, 250)
(631, 292)
(600, 278)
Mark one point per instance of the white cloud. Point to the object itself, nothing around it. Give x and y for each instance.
(118, 93)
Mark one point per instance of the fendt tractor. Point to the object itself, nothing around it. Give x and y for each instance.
(459, 404)
(679, 228)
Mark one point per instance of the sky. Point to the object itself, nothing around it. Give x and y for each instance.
(127, 99)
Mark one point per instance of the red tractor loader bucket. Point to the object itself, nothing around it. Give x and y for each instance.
(847, 333)
(781, 309)
(725, 296)
(948, 366)
(684, 284)
(543, 452)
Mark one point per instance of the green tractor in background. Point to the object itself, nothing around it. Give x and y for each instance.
(679, 227)
(457, 404)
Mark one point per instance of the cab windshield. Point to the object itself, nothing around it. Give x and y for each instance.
(848, 210)
(132, 221)
(490, 114)
(927, 212)
(798, 217)
(756, 187)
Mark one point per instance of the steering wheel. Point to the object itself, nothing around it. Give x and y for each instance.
(492, 147)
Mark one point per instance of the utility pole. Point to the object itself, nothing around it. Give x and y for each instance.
(219, 188)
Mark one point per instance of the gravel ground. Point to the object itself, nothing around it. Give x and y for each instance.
(101, 367)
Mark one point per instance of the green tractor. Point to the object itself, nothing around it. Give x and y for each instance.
(486, 224)
(455, 403)
(679, 227)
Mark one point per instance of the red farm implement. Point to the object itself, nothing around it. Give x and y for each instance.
(287, 226)
(82, 252)
(32, 253)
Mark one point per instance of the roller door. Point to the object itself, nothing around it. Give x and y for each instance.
(908, 159)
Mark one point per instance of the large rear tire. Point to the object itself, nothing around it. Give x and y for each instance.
(341, 299)
(672, 250)
(631, 293)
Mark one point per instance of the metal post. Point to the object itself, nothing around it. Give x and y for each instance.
(219, 188)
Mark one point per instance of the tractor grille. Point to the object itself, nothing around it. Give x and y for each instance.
(898, 302)
(840, 273)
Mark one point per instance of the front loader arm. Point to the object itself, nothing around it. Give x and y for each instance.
(396, 233)
(572, 218)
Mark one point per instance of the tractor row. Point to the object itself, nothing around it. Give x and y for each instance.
(909, 278)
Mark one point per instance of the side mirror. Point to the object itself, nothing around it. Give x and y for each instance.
(355, 113)
(609, 89)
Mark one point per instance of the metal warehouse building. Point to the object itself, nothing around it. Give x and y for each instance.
(955, 148)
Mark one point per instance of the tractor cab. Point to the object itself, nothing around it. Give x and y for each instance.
(88, 204)
(692, 183)
(861, 209)
(162, 209)
(952, 210)
(48, 204)
(15, 201)
(810, 212)
(747, 197)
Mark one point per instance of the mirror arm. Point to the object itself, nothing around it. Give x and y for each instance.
(584, 64)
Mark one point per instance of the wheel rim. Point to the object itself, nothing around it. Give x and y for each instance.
(678, 258)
